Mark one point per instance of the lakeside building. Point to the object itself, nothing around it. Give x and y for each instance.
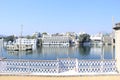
(97, 39)
(22, 44)
(37, 34)
(1, 42)
(107, 39)
(73, 38)
(25, 41)
(102, 39)
(56, 40)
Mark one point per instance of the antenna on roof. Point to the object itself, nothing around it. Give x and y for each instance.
(21, 30)
(113, 22)
(21, 37)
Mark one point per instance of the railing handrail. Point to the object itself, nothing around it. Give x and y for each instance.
(24, 60)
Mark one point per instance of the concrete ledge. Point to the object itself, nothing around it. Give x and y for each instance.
(99, 77)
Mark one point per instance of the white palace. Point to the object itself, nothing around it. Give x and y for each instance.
(55, 40)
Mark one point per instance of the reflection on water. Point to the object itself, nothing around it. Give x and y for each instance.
(84, 50)
(52, 53)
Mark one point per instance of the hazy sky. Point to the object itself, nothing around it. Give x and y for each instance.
(53, 16)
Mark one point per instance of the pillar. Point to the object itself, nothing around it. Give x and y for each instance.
(117, 45)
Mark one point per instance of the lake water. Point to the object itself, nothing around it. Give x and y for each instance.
(52, 53)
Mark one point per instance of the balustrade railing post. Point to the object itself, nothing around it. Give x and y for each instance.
(58, 65)
(28, 67)
(2, 66)
(102, 66)
(76, 66)
(90, 66)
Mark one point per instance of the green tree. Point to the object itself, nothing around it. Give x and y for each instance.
(84, 38)
(33, 37)
(9, 38)
(39, 42)
(28, 37)
(44, 33)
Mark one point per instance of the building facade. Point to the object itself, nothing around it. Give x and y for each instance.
(55, 40)
(26, 41)
(97, 39)
(107, 39)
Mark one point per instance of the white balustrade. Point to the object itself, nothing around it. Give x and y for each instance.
(57, 66)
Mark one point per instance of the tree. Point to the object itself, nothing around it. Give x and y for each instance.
(33, 37)
(39, 42)
(84, 38)
(10, 38)
(28, 37)
(44, 33)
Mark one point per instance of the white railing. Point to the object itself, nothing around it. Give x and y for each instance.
(29, 66)
(97, 66)
(57, 66)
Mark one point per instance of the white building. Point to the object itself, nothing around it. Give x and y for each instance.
(55, 40)
(97, 39)
(1, 42)
(26, 41)
(37, 34)
(108, 39)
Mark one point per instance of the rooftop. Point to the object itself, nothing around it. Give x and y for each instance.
(117, 26)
